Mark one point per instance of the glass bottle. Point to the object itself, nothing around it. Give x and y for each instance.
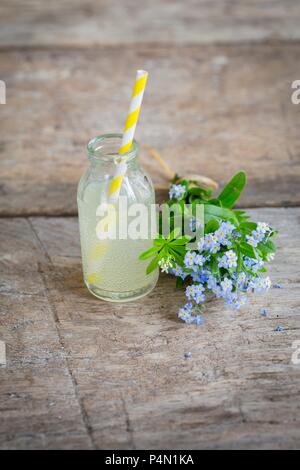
(111, 267)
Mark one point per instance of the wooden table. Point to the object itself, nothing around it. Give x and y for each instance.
(81, 373)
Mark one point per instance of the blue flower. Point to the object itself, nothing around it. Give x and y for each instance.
(211, 282)
(199, 320)
(178, 271)
(226, 285)
(223, 262)
(201, 244)
(231, 258)
(279, 328)
(195, 292)
(262, 227)
(200, 260)
(185, 313)
(257, 236)
(228, 227)
(241, 279)
(187, 355)
(263, 312)
(251, 241)
(177, 191)
(199, 276)
(221, 236)
(189, 259)
(240, 302)
(211, 243)
(258, 284)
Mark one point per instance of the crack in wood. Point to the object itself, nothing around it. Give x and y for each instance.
(129, 428)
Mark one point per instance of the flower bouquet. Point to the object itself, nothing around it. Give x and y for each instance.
(224, 253)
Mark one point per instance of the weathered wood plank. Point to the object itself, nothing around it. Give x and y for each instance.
(239, 389)
(39, 407)
(106, 22)
(212, 110)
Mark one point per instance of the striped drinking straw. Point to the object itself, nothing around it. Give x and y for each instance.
(128, 133)
(115, 184)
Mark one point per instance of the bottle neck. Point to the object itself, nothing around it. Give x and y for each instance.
(103, 151)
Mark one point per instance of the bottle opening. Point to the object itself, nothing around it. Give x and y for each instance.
(106, 148)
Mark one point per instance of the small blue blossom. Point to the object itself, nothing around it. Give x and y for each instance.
(195, 292)
(200, 260)
(277, 286)
(257, 236)
(221, 236)
(211, 243)
(264, 312)
(185, 313)
(177, 191)
(199, 276)
(242, 277)
(231, 258)
(226, 284)
(189, 259)
(251, 241)
(199, 320)
(240, 302)
(211, 282)
(178, 272)
(187, 355)
(223, 262)
(262, 227)
(279, 328)
(201, 244)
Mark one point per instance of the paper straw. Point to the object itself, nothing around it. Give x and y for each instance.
(121, 168)
(128, 133)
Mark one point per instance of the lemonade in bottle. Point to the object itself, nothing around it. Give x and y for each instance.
(111, 266)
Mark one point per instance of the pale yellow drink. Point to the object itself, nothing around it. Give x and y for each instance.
(111, 268)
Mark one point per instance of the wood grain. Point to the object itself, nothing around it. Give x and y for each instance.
(110, 22)
(82, 373)
(212, 110)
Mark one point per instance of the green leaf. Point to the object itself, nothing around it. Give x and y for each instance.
(266, 248)
(153, 265)
(148, 253)
(233, 189)
(249, 226)
(215, 202)
(179, 282)
(211, 226)
(180, 241)
(270, 245)
(211, 211)
(248, 250)
(241, 215)
(178, 249)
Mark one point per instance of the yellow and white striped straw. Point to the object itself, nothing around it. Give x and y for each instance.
(128, 133)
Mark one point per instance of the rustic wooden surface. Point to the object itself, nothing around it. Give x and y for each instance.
(89, 22)
(221, 108)
(82, 373)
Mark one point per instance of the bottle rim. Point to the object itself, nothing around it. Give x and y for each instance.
(100, 148)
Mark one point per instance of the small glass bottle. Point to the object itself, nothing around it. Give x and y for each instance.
(111, 267)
